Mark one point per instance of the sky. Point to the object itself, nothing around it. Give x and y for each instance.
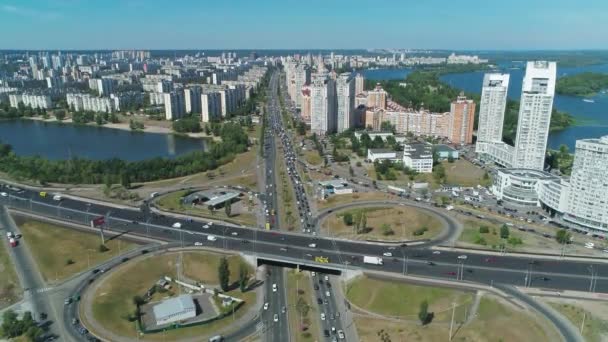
(304, 24)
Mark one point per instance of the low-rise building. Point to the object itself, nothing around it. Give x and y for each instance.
(175, 309)
(418, 157)
(445, 152)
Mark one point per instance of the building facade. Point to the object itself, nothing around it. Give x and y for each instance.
(462, 116)
(175, 105)
(323, 107)
(211, 106)
(345, 92)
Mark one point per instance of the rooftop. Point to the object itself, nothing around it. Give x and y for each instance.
(174, 305)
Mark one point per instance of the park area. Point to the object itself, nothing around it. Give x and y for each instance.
(592, 315)
(61, 252)
(302, 312)
(392, 223)
(111, 299)
(477, 317)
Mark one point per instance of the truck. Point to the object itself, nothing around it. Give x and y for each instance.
(42, 193)
(12, 242)
(372, 260)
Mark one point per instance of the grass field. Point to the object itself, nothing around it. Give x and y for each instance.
(464, 173)
(495, 321)
(172, 202)
(54, 246)
(203, 266)
(297, 322)
(313, 158)
(113, 298)
(336, 200)
(10, 289)
(403, 221)
(399, 299)
(596, 321)
(288, 212)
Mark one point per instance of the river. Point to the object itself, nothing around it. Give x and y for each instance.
(591, 118)
(63, 141)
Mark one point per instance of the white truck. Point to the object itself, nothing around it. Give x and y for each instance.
(372, 260)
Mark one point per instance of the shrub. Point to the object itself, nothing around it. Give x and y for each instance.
(484, 230)
(480, 241)
(69, 262)
(103, 248)
(420, 231)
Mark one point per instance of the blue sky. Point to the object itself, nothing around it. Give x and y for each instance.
(306, 24)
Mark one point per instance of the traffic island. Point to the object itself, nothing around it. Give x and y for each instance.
(113, 305)
(383, 223)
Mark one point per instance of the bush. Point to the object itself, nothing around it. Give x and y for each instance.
(484, 230)
(420, 231)
(69, 262)
(348, 219)
(386, 230)
(358, 164)
(480, 241)
(514, 241)
(103, 248)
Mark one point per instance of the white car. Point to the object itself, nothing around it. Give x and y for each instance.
(387, 254)
(198, 243)
(313, 273)
(211, 238)
(266, 306)
(274, 287)
(326, 278)
(312, 245)
(234, 234)
(205, 227)
(462, 257)
(327, 294)
(177, 225)
(322, 316)
(3, 194)
(210, 223)
(276, 318)
(436, 252)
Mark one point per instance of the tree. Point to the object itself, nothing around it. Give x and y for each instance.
(243, 277)
(386, 229)
(224, 274)
(351, 171)
(138, 300)
(363, 225)
(423, 312)
(348, 219)
(60, 114)
(228, 209)
(125, 180)
(504, 232)
(563, 236)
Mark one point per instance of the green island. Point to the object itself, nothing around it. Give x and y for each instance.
(234, 140)
(585, 84)
(425, 89)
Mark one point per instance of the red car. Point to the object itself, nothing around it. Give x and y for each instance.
(451, 273)
(491, 259)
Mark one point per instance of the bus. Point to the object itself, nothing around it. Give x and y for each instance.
(267, 226)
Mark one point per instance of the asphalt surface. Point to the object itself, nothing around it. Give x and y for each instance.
(275, 317)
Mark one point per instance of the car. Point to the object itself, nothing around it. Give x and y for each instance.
(319, 301)
(326, 278)
(276, 318)
(312, 245)
(283, 310)
(198, 243)
(234, 234)
(333, 330)
(436, 252)
(325, 332)
(316, 287)
(387, 254)
(451, 273)
(3, 194)
(327, 294)
(67, 301)
(332, 317)
(283, 249)
(177, 225)
(266, 305)
(430, 263)
(341, 334)
(490, 259)
(274, 287)
(322, 316)
(209, 223)
(462, 257)
(206, 226)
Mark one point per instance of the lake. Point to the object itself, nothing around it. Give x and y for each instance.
(63, 141)
(592, 118)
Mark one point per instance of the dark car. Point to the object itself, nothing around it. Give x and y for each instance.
(319, 301)
(326, 333)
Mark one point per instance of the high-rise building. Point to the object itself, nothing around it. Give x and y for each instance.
(345, 92)
(587, 204)
(377, 97)
(535, 108)
(322, 104)
(192, 97)
(492, 107)
(175, 106)
(211, 106)
(462, 115)
(305, 105)
(103, 86)
(359, 84)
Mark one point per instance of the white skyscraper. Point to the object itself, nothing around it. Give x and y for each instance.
(535, 108)
(211, 106)
(588, 200)
(345, 92)
(359, 84)
(192, 97)
(323, 104)
(492, 107)
(175, 106)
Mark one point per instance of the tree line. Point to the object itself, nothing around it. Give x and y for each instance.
(85, 171)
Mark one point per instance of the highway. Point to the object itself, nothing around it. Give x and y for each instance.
(275, 317)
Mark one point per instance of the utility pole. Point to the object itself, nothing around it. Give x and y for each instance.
(452, 322)
(583, 324)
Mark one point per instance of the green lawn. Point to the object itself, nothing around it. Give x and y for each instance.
(596, 329)
(313, 158)
(394, 298)
(53, 247)
(113, 298)
(465, 173)
(10, 288)
(203, 267)
(304, 328)
(404, 221)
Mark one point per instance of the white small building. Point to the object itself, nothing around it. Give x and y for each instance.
(374, 154)
(418, 157)
(520, 186)
(175, 309)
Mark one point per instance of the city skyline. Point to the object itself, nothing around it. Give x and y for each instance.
(517, 25)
